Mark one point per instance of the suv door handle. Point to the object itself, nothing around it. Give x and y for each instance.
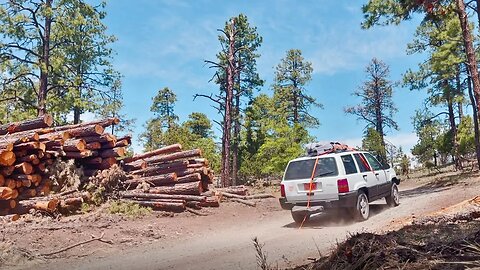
(364, 177)
(377, 174)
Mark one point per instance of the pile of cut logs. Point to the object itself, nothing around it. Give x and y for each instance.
(28, 147)
(175, 179)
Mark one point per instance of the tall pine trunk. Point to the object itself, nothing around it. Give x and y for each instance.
(236, 133)
(470, 51)
(44, 63)
(227, 125)
(453, 126)
(475, 121)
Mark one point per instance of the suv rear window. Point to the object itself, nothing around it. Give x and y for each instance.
(302, 169)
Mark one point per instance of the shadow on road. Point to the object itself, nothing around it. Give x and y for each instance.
(422, 190)
(336, 218)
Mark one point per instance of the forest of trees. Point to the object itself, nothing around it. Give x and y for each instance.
(56, 57)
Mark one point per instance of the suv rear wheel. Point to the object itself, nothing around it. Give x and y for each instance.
(362, 208)
(394, 198)
(299, 216)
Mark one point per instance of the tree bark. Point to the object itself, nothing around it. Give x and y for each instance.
(227, 125)
(470, 51)
(45, 62)
(475, 121)
(453, 126)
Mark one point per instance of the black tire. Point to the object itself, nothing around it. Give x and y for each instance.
(393, 199)
(362, 208)
(299, 216)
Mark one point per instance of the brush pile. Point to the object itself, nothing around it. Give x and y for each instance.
(28, 148)
(169, 179)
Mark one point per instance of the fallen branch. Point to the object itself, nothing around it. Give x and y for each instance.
(252, 204)
(75, 245)
(251, 197)
(196, 212)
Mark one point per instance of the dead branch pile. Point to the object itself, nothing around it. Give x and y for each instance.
(447, 239)
(29, 148)
(169, 179)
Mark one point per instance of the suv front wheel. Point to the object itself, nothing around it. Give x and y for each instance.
(362, 208)
(394, 198)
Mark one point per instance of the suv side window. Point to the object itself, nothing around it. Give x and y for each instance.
(361, 163)
(373, 162)
(349, 164)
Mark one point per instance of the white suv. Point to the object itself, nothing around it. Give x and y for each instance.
(347, 180)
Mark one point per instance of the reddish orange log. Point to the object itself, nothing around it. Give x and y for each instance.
(24, 168)
(6, 171)
(164, 150)
(134, 194)
(190, 178)
(85, 131)
(105, 137)
(162, 168)
(79, 155)
(7, 158)
(94, 145)
(175, 156)
(193, 188)
(211, 202)
(163, 179)
(74, 145)
(6, 193)
(114, 152)
(40, 122)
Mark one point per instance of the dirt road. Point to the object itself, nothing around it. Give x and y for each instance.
(224, 240)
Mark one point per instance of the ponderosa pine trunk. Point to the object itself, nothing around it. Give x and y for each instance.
(475, 120)
(44, 63)
(470, 51)
(227, 125)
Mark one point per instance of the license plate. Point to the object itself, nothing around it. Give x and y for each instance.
(306, 186)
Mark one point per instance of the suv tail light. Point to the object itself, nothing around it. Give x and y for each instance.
(282, 190)
(342, 186)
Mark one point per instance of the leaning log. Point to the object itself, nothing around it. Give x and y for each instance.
(174, 156)
(193, 188)
(162, 151)
(40, 122)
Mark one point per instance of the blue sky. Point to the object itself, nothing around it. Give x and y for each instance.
(163, 43)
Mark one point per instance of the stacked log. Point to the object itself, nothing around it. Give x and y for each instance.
(173, 176)
(28, 147)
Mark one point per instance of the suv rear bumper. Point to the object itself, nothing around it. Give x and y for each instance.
(345, 200)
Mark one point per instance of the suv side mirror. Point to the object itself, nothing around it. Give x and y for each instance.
(386, 166)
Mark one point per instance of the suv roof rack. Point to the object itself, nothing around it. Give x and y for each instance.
(322, 148)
